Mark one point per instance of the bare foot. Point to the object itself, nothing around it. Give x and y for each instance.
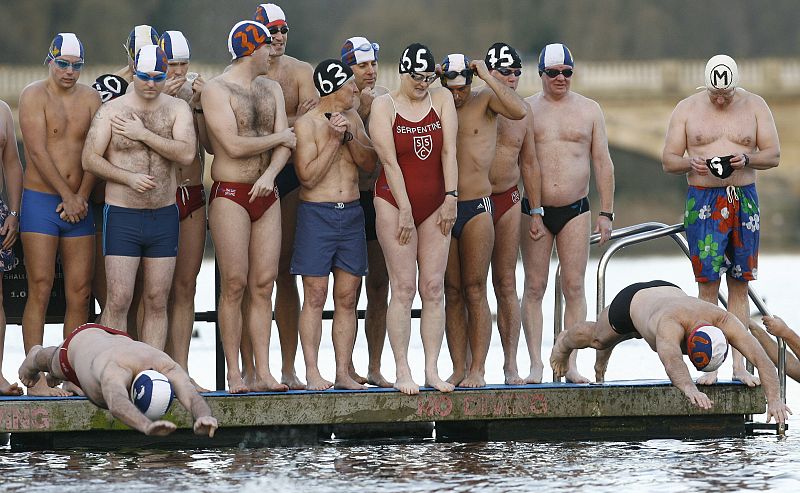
(268, 384)
(292, 382)
(318, 383)
(348, 383)
(437, 383)
(358, 378)
(456, 378)
(198, 387)
(513, 378)
(535, 376)
(236, 385)
(746, 377)
(601, 364)
(28, 371)
(572, 376)
(473, 380)
(407, 386)
(42, 389)
(377, 379)
(71, 387)
(709, 378)
(559, 358)
(160, 428)
(9, 389)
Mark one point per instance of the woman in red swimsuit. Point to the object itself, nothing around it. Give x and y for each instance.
(414, 132)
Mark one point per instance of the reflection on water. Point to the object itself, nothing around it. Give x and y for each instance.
(760, 463)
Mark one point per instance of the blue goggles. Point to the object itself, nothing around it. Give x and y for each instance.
(365, 47)
(143, 76)
(64, 64)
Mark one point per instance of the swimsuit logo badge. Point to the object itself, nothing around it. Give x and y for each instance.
(423, 145)
(229, 192)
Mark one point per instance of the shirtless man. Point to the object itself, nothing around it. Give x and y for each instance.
(248, 131)
(719, 138)
(673, 324)
(570, 134)
(362, 58)
(469, 320)
(133, 144)
(295, 78)
(11, 187)
(515, 154)
(332, 146)
(55, 115)
(104, 362)
(190, 198)
(140, 36)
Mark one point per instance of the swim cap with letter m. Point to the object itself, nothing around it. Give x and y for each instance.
(721, 73)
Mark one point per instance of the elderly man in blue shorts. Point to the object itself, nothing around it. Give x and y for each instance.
(332, 146)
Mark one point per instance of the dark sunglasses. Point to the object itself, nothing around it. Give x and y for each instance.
(505, 72)
(452, 74)
(553, 73)
(423, 78)
(147, 77)
(274, 30)
(64, 64)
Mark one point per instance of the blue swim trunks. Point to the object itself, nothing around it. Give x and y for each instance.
(38, 215)
(723, 228)
(329, 235)
(151, 233)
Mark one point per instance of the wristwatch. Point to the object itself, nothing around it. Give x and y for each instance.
(14, 213)
(454, 193)
(609, 215)
(537, 210)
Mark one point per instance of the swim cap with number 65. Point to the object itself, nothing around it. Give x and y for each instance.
(417, 58)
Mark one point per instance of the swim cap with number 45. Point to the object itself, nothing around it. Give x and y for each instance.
(417, 58)
(330, 75)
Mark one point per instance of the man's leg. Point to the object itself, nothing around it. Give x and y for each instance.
(598, 335)
(377, 287)
(230, 231)
(345, 287)
(739, 306)
(191, 244)
(99, 277)
(401, 264)
(287, 298)
(455, 314)
(432, 257)
(264, 250)
(536, 263)
(158, 273)
(6, 388)
(315, 291)
(40, 261)
(504, 280)
(572, 246)
(77, 258)
(708, 291)
(475, 255)
(120, 278)
(41, 364)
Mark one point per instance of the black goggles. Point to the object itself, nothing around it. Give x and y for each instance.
(275, 29)
(505, 72)
(452, 74)
(553, 73)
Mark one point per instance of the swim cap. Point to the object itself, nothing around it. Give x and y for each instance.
(64, 44)
(175, 45)
(269, 14)
(246, 37)
(330, 75)
(502, 55)
(151, 58)
(456, 71)
(555, 54)
(110, 87)
(417, 58)
(151, 393)
(707, 347)
(359, 50)
(720, 166)
(721, 73)
(141, 36)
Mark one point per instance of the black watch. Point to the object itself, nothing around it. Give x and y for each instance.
(609, 215)
(454, 193)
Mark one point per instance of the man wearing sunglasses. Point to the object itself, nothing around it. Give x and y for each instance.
(133, 144)
(722, 124)
(296, 80)
(55, 115)
(244, 210)
(362, 57)
(571, 141)
(469, 321)
(515, 155)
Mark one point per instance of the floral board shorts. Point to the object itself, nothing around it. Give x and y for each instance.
(7, 259)
(722, 227)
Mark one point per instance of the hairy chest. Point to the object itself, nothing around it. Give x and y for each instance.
(159, 122)
(254, 110)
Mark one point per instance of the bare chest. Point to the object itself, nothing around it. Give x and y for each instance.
(254, 110)
(67, 119)
(475, 122)
(158, 122)
(290, 88)
(511, 133)
(554, 126)
(706, 127)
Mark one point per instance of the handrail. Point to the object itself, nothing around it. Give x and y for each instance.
(648, 231)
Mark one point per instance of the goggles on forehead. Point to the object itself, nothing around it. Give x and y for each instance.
(143, 76)
(364, 47)
(64, 64)
(422, 77)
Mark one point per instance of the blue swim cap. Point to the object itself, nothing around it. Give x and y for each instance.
(151, 58)
(246, 37)
(175, 45)
(555, 54)
(141, 35)
(64, 44)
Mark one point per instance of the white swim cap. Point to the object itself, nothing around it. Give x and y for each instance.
(721, 73)
(707, 347)
(151, 393)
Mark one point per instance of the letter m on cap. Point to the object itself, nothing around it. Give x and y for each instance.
(716, 75)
